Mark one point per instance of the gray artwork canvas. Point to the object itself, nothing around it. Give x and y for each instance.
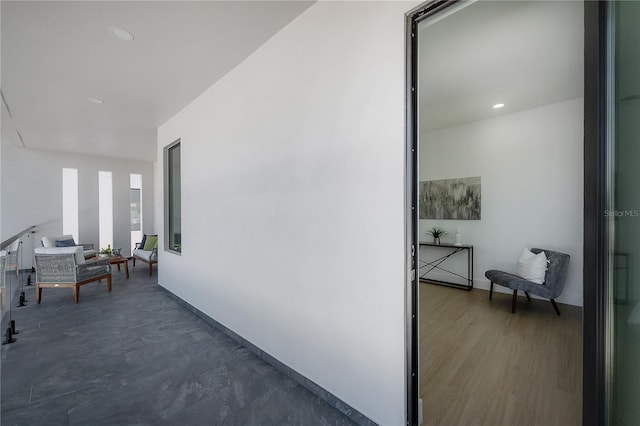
(450, 199)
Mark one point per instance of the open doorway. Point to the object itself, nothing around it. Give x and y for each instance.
(478, 362)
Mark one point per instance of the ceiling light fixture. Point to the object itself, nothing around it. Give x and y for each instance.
(497, 106)
(94, 100)
(120, 34)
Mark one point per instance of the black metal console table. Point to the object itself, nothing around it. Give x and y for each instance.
(428, 266)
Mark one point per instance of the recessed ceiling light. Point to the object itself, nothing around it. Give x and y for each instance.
(94, 100)
(121, 34)
(497, 106)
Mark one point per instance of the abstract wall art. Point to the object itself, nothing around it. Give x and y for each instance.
(457, 199)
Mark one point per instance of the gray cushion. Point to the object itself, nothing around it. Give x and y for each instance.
(65, 243)
(75, 250)
(146, 255)
(515, 282)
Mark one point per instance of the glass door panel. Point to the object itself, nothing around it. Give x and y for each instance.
(624, 291)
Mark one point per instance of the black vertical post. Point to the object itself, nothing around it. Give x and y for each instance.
(13, 327)
(595, 199)
(411, 224)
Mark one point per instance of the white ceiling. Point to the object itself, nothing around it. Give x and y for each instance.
(56, 54)
(523, 54)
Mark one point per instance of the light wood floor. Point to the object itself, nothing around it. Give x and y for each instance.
(482, 365)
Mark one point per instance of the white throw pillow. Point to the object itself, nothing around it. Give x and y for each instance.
(532, 267)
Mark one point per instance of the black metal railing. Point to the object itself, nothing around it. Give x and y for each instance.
(13, 279)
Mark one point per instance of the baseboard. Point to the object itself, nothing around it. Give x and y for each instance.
(311, 386)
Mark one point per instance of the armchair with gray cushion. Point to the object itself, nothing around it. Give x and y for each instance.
(64, 267)
(146, 251)
(67, 241)
(551, 288)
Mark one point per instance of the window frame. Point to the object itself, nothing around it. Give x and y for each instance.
(169, 197)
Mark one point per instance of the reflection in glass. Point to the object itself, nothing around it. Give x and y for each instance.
(624, 293)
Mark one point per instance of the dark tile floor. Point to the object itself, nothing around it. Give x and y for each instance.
(136, 357)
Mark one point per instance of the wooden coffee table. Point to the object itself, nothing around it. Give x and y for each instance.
(118, 260)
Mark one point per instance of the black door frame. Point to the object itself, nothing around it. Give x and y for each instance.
(595, 202)
(596, 193)
(412, 19)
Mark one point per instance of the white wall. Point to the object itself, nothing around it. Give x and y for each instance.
(32, 195)
(531, 165)
(292, 202)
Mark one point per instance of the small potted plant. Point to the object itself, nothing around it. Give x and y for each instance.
(436, 232)
(106, 252)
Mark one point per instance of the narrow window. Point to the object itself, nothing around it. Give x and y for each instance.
(105, 206)
(70, 202)
(136, 208)
(173, 229)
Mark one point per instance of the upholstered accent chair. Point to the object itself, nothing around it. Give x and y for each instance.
(88, 250)
(65, 267)
(551, 288)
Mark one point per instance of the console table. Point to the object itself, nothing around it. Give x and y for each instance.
(449, 250)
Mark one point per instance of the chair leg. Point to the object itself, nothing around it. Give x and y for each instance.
(513, 301)
(491, 291)
(150, 268)
(109, 282)
(528, 297)
(38, 293)
(555, 306)
(76, 293)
